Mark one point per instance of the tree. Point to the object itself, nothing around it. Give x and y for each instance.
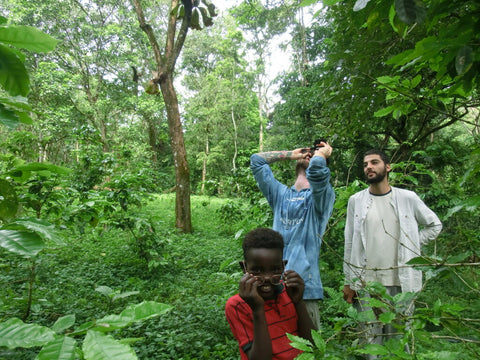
(263, 21)
(393, 73)
(190, 14)
(220, 104)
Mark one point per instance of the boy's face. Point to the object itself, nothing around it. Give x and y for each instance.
(266, 265)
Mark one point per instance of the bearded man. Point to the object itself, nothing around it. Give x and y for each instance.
(385, 228)
(300, 212)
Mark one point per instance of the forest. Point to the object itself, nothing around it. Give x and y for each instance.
(126, 130)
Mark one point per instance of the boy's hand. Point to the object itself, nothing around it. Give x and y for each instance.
(248, 291)
(294, 284)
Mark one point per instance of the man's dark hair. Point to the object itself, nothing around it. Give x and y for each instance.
(262, 238)
(380, 153)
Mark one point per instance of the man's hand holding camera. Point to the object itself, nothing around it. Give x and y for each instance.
(320, 148)
(325, 150)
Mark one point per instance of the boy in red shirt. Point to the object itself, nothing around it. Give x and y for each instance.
(269, 303)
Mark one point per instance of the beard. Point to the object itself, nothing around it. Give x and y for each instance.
(377, 178)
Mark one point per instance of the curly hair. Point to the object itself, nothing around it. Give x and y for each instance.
(264, 238)
(380, 153)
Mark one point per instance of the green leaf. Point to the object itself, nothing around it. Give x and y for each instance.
(105, 290)
(459, 257)
(195, 20)
(318, 341)
(206, 18)
(13, 74)
(330, 2)
(24, 117)
(20, 242)
(98, 346)
(15, 333)
(415, 81)
(125, 294)
(27, 37)
(8, 200)
(18, 102)
(44, 167)
(138, 312)
(62, 348)
(63, 323)
(366, 316)
(374, 349)
(300, 343)
(8, 117)
(420, 260)
(464, 60)
(387, 317)
(40, 227)
(384, 111)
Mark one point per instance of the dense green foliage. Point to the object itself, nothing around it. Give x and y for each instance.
(86, 231)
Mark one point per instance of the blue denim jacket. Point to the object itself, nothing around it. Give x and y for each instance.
(300, 216)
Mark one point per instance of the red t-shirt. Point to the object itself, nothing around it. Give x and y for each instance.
(281, 319)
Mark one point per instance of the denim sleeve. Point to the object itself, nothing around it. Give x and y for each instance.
(318, 175)
(269, 186)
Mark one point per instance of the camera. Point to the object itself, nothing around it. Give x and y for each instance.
(316, 145)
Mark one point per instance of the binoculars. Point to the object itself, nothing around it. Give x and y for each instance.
(316, 145)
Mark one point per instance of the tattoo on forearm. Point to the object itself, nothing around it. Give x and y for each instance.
(273, 156)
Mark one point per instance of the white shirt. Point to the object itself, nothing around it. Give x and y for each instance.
(382, 233)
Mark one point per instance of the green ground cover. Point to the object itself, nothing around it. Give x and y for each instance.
(99, 272)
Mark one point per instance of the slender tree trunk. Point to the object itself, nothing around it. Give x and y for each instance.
(234, 140)
(260, 116)
(164, 77)
(204, 167)
(304, 59)
(182, 171)
(152, 138)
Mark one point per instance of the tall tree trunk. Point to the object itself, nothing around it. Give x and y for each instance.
(204, 167)
(164, 77)
(152, 138)
(303, 57)
(182, 171)
(260, 116)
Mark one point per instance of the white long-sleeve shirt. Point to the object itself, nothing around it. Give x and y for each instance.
(418, 225)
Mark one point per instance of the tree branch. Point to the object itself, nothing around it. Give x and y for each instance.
(151, 36)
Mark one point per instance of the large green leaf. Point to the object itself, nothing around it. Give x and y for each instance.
(138, 312)
(8, 117)
(13, 75)
(62, 348)
(98, 346)
(15, 333)
(21, 242)
(27, 37)
(19, 171)
(63, 323)
(8, 200)
(17, 102)
(41, 227)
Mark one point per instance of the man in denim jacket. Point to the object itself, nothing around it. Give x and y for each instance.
(385, 228)
(301, 212)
